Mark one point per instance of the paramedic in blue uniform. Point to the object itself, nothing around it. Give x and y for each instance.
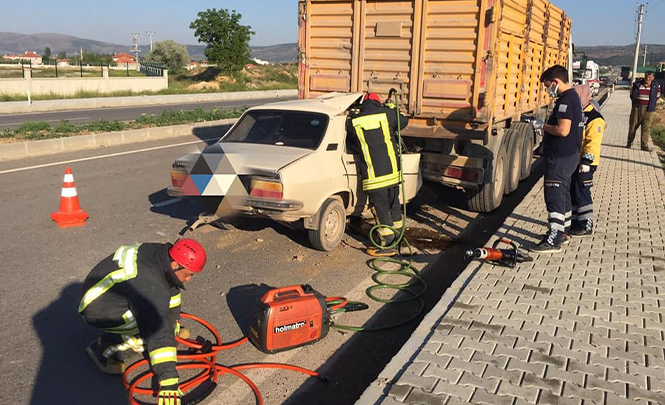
(561, 147)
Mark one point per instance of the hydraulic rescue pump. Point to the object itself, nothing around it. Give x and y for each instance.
(289, 317)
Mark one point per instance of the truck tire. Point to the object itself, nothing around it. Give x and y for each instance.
(490, 195)
(332, 223)
(527, 152)
(514, 160)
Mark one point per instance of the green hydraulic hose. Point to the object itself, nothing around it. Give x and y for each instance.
(406, 268)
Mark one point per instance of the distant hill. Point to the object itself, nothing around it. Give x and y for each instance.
(14, 43)
(622, 55)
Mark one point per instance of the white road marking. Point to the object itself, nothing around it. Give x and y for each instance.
(129, 152)
(167, 202)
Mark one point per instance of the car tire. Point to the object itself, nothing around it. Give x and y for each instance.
(332, 224)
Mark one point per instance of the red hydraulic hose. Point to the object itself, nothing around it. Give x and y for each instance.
(204, 361)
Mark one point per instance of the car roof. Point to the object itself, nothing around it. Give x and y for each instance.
(331, 104)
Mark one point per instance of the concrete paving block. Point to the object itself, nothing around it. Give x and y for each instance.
(11, 151)
(110, 139)
(79, 142)
(137, 135)
(44, 147)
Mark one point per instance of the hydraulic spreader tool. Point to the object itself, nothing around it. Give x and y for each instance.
(503, 257)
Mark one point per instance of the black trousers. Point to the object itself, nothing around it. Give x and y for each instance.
(580, 194)
(558, 177)
(386, 204)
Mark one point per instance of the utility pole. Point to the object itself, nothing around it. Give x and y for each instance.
(135, 36)
(151, 34)
(644, 62)
(640, 14)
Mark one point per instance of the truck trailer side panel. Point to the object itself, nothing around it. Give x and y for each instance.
(460, 63)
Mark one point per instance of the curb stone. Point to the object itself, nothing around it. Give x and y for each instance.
(20, 150)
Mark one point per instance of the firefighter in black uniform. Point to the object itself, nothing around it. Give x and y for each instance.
(580, 188)
(561, 147)
(373, 131)
(133, 296)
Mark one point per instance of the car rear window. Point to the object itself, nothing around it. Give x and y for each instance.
(297, 129)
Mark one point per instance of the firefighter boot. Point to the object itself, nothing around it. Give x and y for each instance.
(108, 365)
(383, 251)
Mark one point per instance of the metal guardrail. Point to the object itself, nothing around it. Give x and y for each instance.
(152, 69)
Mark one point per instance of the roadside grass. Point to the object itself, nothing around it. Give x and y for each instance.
(200, 80)
(34, 130)
(658, 131)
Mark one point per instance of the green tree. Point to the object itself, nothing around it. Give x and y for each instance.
(227, 41)
(62, 55)
(170, 53)
(46, 57)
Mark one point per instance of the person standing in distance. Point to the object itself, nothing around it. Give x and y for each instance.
(644, 95)
(561, 147)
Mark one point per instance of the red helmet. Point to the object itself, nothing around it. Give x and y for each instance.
(372, 96)
(189, 254)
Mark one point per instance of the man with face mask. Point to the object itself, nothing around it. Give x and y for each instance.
(561, 146)
(644, 94)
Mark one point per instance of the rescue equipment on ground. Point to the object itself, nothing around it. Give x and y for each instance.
(289, 317)
(503, 257)
(70, 213)
(202, 355)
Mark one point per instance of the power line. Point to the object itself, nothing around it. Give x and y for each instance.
(655, 5)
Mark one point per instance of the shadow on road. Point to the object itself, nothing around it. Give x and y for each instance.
(66, 374)
(240, 301)
(367, 354)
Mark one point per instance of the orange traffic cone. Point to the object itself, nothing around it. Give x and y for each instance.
(70, 213)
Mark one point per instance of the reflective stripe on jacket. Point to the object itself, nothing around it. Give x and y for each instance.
(374, 128)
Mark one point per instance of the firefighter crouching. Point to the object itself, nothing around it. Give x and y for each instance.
(373, 130)
(580, 188)
(133, 296)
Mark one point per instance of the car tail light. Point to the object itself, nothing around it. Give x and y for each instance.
(266, 189)
(178, 177)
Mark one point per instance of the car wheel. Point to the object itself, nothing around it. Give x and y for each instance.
(332, 223)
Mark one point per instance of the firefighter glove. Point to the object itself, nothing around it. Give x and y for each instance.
(169, 397)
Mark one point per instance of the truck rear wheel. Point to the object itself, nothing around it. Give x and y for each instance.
(490, 195)
(514, 161)
(332, 224)
(527, 152)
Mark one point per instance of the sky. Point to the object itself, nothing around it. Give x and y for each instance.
(595, 22)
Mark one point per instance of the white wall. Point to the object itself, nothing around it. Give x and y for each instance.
(69, 86)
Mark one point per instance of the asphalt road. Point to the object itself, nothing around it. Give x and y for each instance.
(10, 121)
(42, 359)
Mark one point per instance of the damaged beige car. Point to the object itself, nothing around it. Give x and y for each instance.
(288, 161)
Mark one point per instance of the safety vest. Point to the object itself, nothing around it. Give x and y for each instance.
(593, 133)
(378, 154)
